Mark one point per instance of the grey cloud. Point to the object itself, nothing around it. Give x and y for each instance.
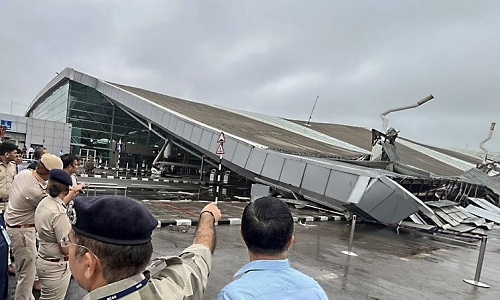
(275, 57)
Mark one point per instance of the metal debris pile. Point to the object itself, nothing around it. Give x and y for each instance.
(477, 217)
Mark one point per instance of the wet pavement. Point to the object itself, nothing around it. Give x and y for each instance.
(187, 212)
(407, 265)
(390, 265)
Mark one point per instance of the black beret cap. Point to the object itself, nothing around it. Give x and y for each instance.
(60, 176)
(112, 219)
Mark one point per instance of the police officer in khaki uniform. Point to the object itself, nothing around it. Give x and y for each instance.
(28, 188)
(110, 248)
(8, 170)
(52, 224)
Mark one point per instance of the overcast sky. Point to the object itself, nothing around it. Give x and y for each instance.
(275, 57)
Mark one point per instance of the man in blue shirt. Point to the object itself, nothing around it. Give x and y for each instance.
(267, 229)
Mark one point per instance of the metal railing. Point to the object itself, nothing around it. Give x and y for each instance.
(93, 189)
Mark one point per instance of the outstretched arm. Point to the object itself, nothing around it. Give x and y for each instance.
(205, 233)
(73, 192)
(192, 275)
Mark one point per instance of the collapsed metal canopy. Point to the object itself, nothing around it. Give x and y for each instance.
(306, 163)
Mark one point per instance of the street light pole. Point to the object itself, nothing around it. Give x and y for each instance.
(383, 115)
(481, 145)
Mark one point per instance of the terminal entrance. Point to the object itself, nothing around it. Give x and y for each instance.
(89, 160)
(85, 154)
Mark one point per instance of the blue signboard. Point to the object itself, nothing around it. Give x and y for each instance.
(7, 124)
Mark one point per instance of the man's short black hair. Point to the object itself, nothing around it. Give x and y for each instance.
(68, 159)
(7, 147)
(267, 226)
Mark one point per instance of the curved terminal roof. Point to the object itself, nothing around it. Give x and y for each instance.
(279, 152)
(272, 137)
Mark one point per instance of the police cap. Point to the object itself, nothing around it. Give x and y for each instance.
(112, 219)
(50, 161)
(60, 176)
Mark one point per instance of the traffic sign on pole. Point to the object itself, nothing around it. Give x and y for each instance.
(222, 138)
(220, 149)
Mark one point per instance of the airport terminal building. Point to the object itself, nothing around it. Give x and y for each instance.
(35, 132)
(97, 123)
(323, 163)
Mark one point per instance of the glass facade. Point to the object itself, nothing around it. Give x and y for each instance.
(98, 124)
(54, 107)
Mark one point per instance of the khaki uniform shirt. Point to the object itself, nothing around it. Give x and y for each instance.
(7, 173)
(25, 194)
(173, 277)
(52, 224)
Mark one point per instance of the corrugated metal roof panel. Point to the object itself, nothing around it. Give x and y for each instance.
(483, 213)
(298, 129)
(477, 177)
(361, 137)
(449, 160)
(486, 205)
(277, 139)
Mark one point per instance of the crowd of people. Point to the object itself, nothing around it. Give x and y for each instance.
(105, 242)
(43, 188)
